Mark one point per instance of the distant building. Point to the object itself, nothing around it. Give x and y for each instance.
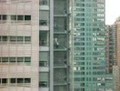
(110, 48)
(116, 68)
(89, 66)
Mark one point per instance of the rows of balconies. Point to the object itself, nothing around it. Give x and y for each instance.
(60, 46)
(60, 43)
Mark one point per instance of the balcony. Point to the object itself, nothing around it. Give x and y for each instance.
(44, 24)
(60, 77)
(60, 59)
(44, 38)
(44, 4)
(62, 4)
(43, 66)
(60, 25)
(44, 61)
(60, 42)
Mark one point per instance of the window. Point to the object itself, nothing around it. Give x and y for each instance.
(27, 17)
(13, 17)
(43, 38)
(43, 63)
(43, 84)
(20, 17)
(12, 60)
(43, 22)
(5, 60)
(0, 17)
(13, 39)
(43, 2)
(4, 38)
(4, 81)
(13, 80)
(16, 60)
(0, 38)
(0, 59)
(27, 39)
(4, 17)
(27, 80)
(20, 39)
(27, 60)
(20, 60)
(19, 80)
(82, 89)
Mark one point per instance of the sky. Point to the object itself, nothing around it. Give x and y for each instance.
(112, 11)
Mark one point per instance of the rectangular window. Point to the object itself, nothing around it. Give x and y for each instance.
(27, 39)
(12, 59)
(5, 60)
(20, 39)
(43, 22)
(43, 2)
(44, 38)
(27, 60)
(13, 80)
(20, 60)
(13, 39)
(27, 17)
(0, 59)
(19, 80)
(43, 84)
(4, 81)
(43, 63)
(27, 80)
(20, 17)
(4, 38)
(0, 81)
(4, 17)
(13, 17)
(0, 17)
(0, 38)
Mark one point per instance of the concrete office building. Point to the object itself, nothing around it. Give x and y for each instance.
(34, 45)
(19, 45)
(89, 64)
(116, 68)
(111, 57)
(110, 47)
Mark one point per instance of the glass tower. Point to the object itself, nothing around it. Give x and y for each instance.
(89, 61)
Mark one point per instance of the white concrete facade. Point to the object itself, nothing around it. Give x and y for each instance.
(24, 24)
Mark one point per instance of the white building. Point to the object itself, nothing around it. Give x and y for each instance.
(19, 45)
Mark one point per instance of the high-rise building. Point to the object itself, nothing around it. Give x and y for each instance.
(110, 47)
(54, 45)
(89, 65)
(116, 68)
(19, 45)
(34, 45)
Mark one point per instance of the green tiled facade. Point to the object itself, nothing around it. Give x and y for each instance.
(89, 45)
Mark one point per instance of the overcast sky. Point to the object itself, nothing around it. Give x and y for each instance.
(112, 10)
